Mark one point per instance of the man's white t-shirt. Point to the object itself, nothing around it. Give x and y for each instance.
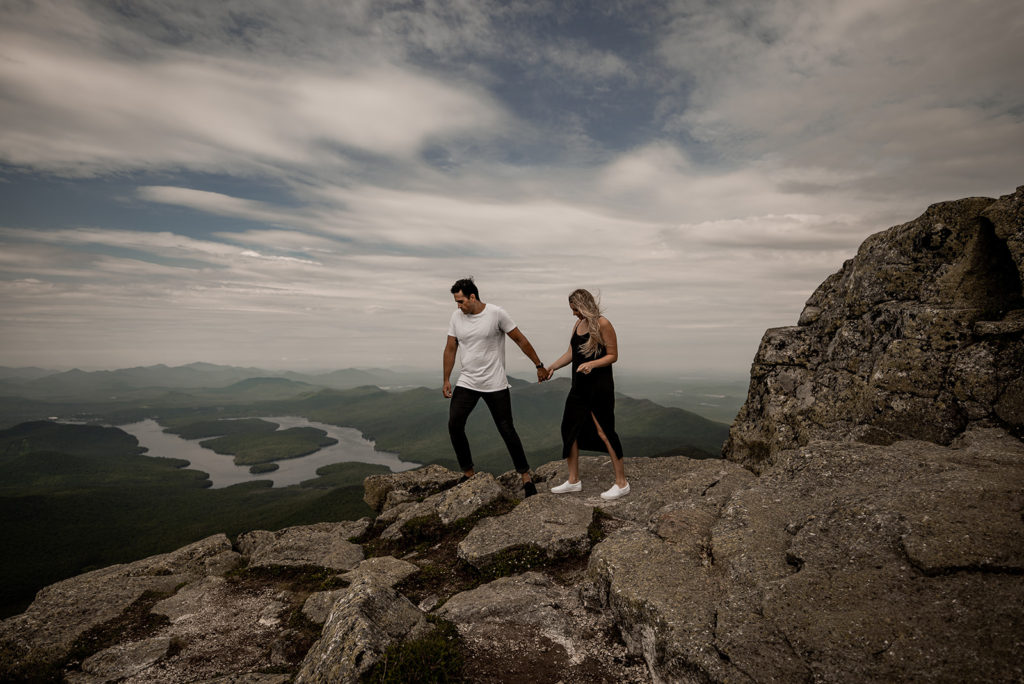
(482, 345)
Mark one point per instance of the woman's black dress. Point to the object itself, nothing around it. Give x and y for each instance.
(590, 394)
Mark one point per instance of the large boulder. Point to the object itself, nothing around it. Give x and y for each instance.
(918, 336)
(323, 545)
(363, 623)
(64, 611)
(843, 562)
(383, 570)
(506, 624)
(446, 507)
(221, 626)
(408, 484)
(122, 661)
(1007, 217)
(551, 525)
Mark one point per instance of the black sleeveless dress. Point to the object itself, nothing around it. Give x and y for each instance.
(593, 393)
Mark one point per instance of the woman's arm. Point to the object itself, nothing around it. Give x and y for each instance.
(563, 360)
(611, 348)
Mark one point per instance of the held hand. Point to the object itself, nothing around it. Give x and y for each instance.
(447, 389)
(550, 373)
(542, 374)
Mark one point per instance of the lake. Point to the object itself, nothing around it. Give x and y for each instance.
(222, 469)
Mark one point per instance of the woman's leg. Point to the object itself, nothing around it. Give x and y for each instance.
(573, 461)
(617, 462)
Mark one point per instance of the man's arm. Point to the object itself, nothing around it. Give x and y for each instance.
(520, 339)
(448, 364)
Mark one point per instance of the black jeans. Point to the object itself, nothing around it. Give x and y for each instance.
(500, 404)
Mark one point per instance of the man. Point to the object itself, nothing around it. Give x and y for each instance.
(479, 330)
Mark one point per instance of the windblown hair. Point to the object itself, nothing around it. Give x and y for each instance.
(467, 286)
(586, 304)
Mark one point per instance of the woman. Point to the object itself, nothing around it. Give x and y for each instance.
(589, 418)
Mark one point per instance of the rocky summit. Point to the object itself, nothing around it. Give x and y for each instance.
(919, 336)
(866, 523)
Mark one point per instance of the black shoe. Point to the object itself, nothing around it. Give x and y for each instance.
(530, 488)
(461, 480)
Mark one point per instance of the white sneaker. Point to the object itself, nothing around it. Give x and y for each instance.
(615, 492)
(568, 487)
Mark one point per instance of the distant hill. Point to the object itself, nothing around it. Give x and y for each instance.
(74, 440)
(149, 382)
(255, 389)
(23, 373)
(78, 383)
(414, 423)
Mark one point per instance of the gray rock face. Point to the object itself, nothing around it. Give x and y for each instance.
(466, 499)
(122, 661)
(844, 562)
(448, 506)
(410, 483)
(384, 570)
(918, 336)
(556, 526)
(653, 574)
(220, 627)
(64, 611)
(250, 678)
(522, 616)
(363, 623)
(529, 600)
(324, 545)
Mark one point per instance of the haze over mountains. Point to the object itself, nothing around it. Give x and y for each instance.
(41, 383)
(717, 398)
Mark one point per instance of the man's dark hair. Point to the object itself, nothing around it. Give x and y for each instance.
(467, 287)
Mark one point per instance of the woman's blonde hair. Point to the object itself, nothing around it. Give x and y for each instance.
(590, 307)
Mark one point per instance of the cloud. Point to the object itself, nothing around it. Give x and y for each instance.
(881, 92)
(704, 164)
(78, 107)
(777, 232)
(466, 224)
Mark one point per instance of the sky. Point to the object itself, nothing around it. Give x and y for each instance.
(296, 185)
